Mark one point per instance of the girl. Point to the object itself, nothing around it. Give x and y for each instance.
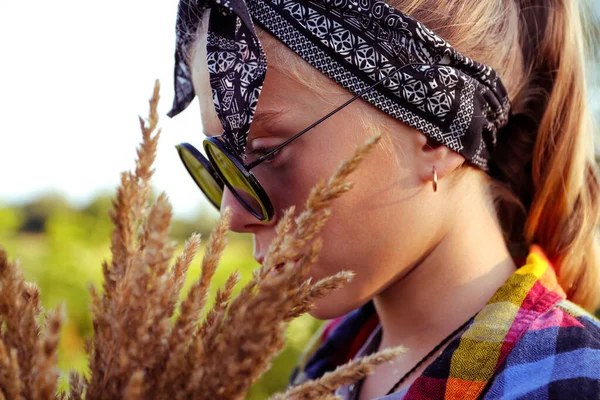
(472, 229)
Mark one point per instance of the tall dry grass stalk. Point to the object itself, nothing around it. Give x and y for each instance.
(346, 374)
(137, 351)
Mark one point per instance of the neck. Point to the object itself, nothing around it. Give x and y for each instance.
(455, 279)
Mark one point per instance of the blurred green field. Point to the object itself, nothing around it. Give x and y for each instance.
(61, 249)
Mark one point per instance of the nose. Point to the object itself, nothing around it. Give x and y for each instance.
(242, 220)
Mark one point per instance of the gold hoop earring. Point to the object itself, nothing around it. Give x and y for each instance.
(434, 179)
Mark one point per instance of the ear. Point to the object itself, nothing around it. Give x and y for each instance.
(433, 154)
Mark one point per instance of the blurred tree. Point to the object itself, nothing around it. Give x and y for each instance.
(38, 210)
(591, 25)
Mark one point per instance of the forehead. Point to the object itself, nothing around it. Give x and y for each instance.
(200, 80)
(277, 95)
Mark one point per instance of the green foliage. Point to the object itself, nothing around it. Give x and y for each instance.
(11, 218)
(61, 249)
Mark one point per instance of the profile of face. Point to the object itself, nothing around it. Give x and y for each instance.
(384, 225)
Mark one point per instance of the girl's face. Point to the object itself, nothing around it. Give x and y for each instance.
(380, 228)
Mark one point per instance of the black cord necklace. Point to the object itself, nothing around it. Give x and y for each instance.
(433, 351)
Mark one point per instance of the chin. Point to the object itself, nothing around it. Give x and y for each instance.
(333, 306)
(323, 314)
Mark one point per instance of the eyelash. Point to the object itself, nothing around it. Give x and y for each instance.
(261, 151)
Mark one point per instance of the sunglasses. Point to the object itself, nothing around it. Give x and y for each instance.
(222, 167)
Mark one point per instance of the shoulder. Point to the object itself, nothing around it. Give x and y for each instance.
(558, 356)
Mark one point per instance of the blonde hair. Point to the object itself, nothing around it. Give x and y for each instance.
(544, 179)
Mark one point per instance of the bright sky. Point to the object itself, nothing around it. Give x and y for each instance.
(74, 77)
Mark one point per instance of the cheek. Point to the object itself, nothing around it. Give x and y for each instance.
(290, 183)
(369, 232)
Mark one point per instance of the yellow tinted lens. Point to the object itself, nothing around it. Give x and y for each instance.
(235, 177)
(211, 188)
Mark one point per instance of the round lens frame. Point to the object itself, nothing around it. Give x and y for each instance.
(204, 163)
(216, 143)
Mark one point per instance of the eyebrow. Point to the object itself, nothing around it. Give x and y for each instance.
(265, 119)
(268, 118)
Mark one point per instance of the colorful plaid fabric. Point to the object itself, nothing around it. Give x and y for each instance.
(527, 342)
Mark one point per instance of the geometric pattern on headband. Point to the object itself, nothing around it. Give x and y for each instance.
(236, 64)
(452, 99)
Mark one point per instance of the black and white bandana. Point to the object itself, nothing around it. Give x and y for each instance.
(449, 97)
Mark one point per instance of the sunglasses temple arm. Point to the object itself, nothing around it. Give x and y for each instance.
(271, 153)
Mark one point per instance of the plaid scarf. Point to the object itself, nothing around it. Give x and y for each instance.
(528, 341)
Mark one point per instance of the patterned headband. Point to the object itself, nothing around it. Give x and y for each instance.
(450, 98)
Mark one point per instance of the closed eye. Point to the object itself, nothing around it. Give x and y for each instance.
(261, 151)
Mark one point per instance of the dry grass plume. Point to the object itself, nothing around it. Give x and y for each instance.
(137, 351)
